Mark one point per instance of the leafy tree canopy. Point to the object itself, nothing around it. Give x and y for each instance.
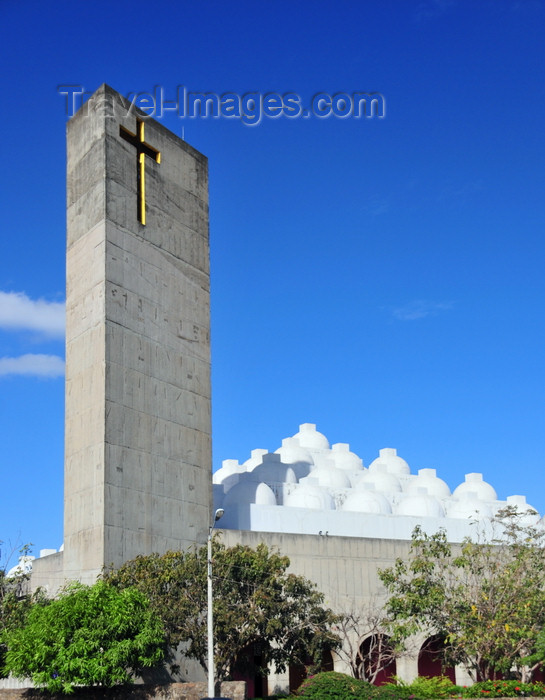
(15, 600)
(255, 603)
(485, 596)
(90, 635)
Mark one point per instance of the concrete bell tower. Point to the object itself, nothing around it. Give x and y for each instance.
(138, 427)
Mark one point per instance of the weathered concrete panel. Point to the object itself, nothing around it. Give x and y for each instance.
(138, 434)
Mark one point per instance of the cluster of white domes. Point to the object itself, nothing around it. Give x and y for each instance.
(307, 473)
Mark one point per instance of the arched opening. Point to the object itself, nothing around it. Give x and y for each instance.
(249, 670)
(539, 676)
(297, 674)
(377, 660)
(431, 659)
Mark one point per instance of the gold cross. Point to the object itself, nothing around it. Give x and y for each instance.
(143, 149)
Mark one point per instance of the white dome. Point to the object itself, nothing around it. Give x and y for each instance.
(257, 456)
(366, 502)
(380, 481)
(291, 452)
(273, 471)
(420, 505)
(475, 485)
(309, 496)
(428, 482)
(23, 566)
(330, 476)
(470, 508)
(344, 458)
(247, 492)
(229, 467)
(309, 437)
(394, 464)
(523, 508)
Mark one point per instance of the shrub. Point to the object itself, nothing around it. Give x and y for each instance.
(503, 689)
(424, 687)
(392, 691)
(337, 686)
(90, 635)
(331, 685)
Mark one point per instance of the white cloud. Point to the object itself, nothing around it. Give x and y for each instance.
(32, 365)
(18, 312)
(415, 310)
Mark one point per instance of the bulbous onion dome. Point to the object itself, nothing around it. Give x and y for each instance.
(331, 477)
(344, 458)
(475, 485)
(428, 480)
(470, 508)
(420, 505)
(247, 492)
(310, 438)
(380, 481)
(309, 496)
(256, 458)
(367, 501)
(394, 463)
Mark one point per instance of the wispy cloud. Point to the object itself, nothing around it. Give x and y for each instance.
(19, 312)
(418, 309)
(32, 365)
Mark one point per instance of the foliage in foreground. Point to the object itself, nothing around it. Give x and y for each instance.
(255, 603)
(90, 635)
(15, 602)
(338, 686)
(503, 689)
(425, 687)
(485, 598)
(331, 685)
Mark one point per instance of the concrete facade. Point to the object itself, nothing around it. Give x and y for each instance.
(345, 570)
(138, 425)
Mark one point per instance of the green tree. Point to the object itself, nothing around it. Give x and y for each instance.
(255, 603)
(485, 596)
(15, 600)
(90, 635)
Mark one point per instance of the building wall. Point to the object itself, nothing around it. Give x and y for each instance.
(345, 570)
(138, 426)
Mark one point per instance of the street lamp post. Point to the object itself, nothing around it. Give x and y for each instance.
(211, 690)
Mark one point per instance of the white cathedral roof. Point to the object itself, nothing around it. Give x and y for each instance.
(310, 487)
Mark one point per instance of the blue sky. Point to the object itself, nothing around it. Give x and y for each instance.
(382, 278)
